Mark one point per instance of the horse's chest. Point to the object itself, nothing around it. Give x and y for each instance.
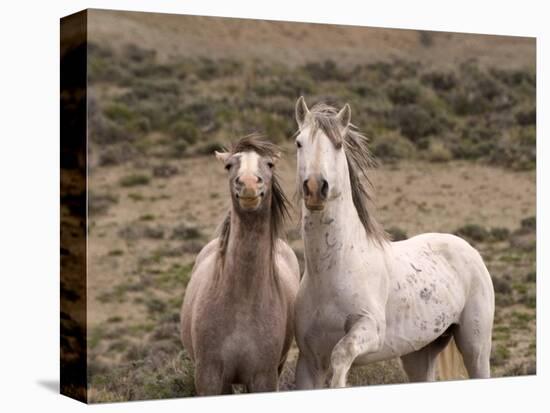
(319, 330)
(243, 330)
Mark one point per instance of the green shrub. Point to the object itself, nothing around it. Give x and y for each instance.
(403, 69)
(531, 277)
(155, 305)
(209, 69)
(203, 112)
(467, 103)
(208, 148)
(440, 81)
(376, 73)
(185, 231)
(529, 299)
(292, 85)
(514, 77)
(415, 122)
(134, 180)
(500, 234)
(499, 355)
(527, 117)
(392, 146)
(107, 132)
(323, 71)
(474, 232)
(438, 152)
(515, 150)
(502, 286)
(397, 234)
(118, 112)
(404, 93)
(186, 131)
(275, 127)
(363, 89)
(137, 54)
(476, 142)
(100, 203)
(140, 124)
(477, 92)
(116, 154)
(529, 224)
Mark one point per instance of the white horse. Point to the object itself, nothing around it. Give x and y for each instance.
(362, 298)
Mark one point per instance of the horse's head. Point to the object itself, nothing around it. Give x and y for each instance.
(321, 161)
(250, 165)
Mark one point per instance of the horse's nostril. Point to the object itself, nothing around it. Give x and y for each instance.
(238, 180)
(324, 188)
(305, 188)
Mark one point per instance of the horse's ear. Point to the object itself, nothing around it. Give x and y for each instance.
(301, 111)
(344, 116)
(222, 156)
(276, 157)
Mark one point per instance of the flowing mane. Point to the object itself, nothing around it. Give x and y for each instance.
(359, 160)
(279, 202)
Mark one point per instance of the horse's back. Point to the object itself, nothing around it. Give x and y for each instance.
(456, 251)
(462, 259)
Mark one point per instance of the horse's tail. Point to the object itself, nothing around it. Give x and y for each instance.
(450, 363)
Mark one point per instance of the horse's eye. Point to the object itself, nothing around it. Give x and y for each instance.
(271, 165)
(228, 166)
(298, 144)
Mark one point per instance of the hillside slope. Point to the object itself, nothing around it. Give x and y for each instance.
(294, 44)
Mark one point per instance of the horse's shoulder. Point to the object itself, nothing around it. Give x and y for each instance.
(435, 239)
(285, 253)
(448, 246)
(447, 242)
(207, 251)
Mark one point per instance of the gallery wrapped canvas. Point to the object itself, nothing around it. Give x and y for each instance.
(259, 206)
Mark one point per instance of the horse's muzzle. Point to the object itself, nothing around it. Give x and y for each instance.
(315, 190)
(249, 191)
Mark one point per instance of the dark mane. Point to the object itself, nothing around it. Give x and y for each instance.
(279, 202)
(359, 160)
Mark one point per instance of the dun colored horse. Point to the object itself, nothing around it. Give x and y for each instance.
(237, 317)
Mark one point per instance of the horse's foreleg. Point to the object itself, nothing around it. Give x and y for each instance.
(308, 376)
(264, 382)
(209, 379)
(364, 335)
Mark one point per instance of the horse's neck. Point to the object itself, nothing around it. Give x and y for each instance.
(333, 235)
(248, 258)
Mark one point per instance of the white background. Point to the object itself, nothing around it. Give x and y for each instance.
(29, 204)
